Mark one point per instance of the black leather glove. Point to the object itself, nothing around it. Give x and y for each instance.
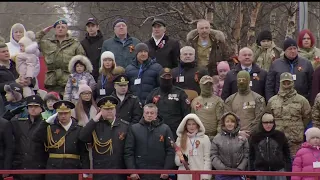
(185, 157)
(18, 109)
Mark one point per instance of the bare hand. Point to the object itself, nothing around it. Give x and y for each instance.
(164, 176)
(134, 176)
(97, 117)
(47, 29)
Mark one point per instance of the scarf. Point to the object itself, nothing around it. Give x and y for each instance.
(191, 135)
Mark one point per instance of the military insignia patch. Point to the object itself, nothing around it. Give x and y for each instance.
(121, 136)
(161, 139)
(122, 79)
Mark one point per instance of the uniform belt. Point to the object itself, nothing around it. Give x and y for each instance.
(64, 156)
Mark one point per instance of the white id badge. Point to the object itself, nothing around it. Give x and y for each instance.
(195, 152)
(316, 164)
(102, 92)
(137, 81)
(181, 78)
(250, 84)
(294, 77)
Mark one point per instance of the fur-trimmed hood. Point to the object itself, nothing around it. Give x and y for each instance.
(33, 49)
(214, 34)
(83, 59)
(184, 121)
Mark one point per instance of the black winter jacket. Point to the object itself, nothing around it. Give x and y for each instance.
(92, 46)
(7, 76)
(148, 147)
(303, 70)
(149, 77)
(6, 144)
(168, 55)
(130, 109)
(258, 77)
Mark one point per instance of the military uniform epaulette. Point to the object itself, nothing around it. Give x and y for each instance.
(126, 122)
(22, 119)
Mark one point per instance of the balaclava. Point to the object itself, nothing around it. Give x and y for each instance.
(243, 86)
(206, 86)
(284, 91)
(165, 82)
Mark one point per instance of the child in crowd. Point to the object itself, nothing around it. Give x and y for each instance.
(218, 80)
(16, 106)
(307, 158)
(80, 68)
(195, 146)
(229, 150)
(27, 63)
(49, 100)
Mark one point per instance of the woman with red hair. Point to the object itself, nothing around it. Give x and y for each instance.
(307, 48)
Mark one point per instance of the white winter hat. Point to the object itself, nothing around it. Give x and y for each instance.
(28, 38)
(312, 132)
(105, 55)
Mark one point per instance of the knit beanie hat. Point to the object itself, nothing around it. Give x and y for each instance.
(52, 95)
(140, 47)
(28, 38)
(105, 55)
(117, 21)
(15, 89)
(264, 35)
(312, 132)
(223, 65)
(300, 37)
(288, 43)
(83, 87)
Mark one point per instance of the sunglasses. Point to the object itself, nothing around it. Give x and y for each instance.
(268, 122)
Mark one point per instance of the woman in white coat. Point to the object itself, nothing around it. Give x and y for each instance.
(16, 33)
(195, 146)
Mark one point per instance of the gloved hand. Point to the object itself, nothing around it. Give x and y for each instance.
(51, 119)
(18, 109)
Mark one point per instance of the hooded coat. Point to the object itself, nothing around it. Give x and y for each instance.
(269, 151)
(72, 86)
(202, 160)
(291, 112)
(218, 50)
(303, 162)
(13, 45)
(229, 150)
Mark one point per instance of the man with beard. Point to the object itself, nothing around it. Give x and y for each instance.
(129, 107)
(172, 102)
(107, 135)
(27, 153)
(246, 104)
(291, 111)
(60, 135)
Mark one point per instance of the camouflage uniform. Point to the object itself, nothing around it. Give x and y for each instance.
(316, 112)
(265, 57)
(291, 112)
(57, 56)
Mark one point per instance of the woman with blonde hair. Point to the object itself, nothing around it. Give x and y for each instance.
(108, 71)
(195, 146)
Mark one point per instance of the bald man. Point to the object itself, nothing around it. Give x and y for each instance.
(258, 76)
(209, 45)
(187, 75)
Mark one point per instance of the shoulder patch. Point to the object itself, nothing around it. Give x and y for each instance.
(126, 122)
(22, 119)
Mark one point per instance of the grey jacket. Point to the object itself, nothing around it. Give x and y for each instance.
(229, 150)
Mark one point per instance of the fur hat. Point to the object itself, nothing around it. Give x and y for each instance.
(223, 65)
(83, 86)
(83, 59)
(312, 132)
(105, 55)
(28, 38)
(118, 71)
(15, 89)
(52, 95)
(288, 43)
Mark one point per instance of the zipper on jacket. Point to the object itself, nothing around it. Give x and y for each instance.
(268, 153)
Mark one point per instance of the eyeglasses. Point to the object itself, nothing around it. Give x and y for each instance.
(268, 122)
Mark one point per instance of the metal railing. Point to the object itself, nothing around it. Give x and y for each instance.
(196, 175)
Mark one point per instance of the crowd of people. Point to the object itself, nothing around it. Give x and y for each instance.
(119, 103)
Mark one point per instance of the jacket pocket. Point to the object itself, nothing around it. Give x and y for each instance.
(50, 56)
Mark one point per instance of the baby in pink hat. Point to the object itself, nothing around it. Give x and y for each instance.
(218, 80)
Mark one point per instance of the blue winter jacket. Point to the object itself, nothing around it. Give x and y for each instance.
(149, 77)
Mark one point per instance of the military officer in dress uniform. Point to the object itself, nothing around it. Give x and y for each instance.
(107, 135)
(172, 101)
(60, 134)
(129, 107)
(26, 154)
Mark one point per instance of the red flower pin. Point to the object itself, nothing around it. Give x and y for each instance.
(57, 131)
(299, 68)
(156, 99)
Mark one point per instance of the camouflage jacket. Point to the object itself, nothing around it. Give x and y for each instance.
(57, 55)
(316, 112)
(264, 57)
(291, 115)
